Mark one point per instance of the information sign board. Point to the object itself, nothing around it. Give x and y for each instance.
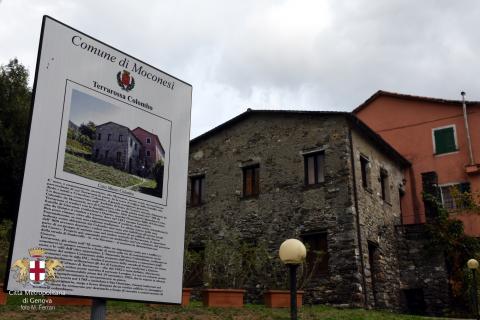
(102, 211)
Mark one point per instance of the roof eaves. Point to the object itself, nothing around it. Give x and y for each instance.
(260, 111)
(409, 97)
(379, 141)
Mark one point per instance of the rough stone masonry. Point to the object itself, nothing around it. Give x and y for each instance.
(356, 206)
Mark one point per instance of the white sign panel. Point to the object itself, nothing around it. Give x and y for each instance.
(102, 210)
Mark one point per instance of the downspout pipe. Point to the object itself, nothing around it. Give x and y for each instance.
(357, 212)
(465, 119)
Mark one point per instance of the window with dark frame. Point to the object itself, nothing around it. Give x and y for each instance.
(97, 151)
(251, 180)
(109, 136)
(120, 138)
(314, 168)
(317, 253)
(99, 136)
(384, 185)
(149, 141)
(148, 153)
(444, 140)
(197, 193)
(365, 170)
(119, 156)
(106, 154)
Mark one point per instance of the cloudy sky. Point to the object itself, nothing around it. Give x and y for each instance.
(277, 54)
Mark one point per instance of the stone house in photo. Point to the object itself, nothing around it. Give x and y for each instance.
(323, 177)
(152, 150)
(117, 146)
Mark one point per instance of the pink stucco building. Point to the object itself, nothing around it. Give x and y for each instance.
(431, 133)
(152, 150)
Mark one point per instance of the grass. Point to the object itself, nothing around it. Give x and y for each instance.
(76, 147)
(150, 184)
(98, 172)
(195, 311)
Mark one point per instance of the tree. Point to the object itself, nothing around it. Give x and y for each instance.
(15, 97)
(88, 130)
(158, 171)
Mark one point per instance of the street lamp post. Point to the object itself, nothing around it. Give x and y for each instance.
(473, 265)
(292, 253)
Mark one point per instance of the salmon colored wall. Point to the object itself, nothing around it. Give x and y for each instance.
(407, 125)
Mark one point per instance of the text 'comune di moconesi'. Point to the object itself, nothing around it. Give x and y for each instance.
(125, 63)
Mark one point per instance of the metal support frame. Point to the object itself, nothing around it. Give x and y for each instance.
(99, 309)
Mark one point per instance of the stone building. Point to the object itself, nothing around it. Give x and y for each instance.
(117, 146)
(323, 177)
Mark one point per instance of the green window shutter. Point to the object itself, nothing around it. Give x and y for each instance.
(444, 140)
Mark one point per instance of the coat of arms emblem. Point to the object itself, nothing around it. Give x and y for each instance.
(38, 269)
(125, 80)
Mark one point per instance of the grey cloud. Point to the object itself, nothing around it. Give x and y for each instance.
(287, 54)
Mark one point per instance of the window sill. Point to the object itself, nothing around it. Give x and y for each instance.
(445, 153)
(196, 205)
(307, 187)
(250, 197)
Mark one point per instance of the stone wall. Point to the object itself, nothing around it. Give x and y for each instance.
(378, 219)
(423, 270)
(287, 208)
(113, 145)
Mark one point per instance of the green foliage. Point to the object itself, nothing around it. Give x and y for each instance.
(82, 139)
(224, 264)
(268, 269)
(191, 262)
(75, 147)
(5, 237)
(158, 168)
(447, 235)
(88, 130)
(14, 115)
(72, 134)
(195, 310)
(273, 273)
(157, 172)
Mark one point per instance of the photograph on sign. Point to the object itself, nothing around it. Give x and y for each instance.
(106, 142)
(102, 209)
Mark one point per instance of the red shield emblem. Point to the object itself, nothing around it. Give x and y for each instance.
(125, 80)
(37, 271)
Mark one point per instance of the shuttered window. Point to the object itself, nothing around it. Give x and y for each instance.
(251, 180)
(444, 140)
